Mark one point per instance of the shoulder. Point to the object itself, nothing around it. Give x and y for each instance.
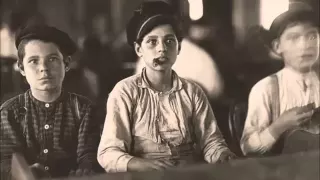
(266, 86)
(12, 104)
(193, 89)
(128, 84)
(190, 85)
(79, 99)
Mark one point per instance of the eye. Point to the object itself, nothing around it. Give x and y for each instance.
(152, 41)
(32, 61)
(170, 41)
(293, 37)
(51, 59)
(312, 36)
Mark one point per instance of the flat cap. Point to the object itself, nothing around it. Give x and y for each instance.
(292, 15)
(149, 15)
(47, 33)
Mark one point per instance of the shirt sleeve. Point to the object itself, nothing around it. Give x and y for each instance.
(256, 137)
(9, 143)
(88, 140)
(116, 137)
(207, 132)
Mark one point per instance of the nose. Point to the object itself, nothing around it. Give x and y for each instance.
(43, 66)
(161, 47)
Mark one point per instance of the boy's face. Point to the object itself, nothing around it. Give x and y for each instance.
(299, 46)
(43, 65)
(159, 48)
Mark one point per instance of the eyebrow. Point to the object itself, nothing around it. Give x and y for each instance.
(32, 57)
(53, 54)
(155, 36)
(35, 56)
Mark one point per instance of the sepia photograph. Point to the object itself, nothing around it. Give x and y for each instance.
(159, 90)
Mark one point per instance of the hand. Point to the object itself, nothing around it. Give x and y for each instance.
(296, 116)
(38, 171)
(81, 172)
(226, 156)
(316, 116)
(139, 164)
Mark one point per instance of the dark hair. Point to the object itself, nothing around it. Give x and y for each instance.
(150, 15)
(22, 53)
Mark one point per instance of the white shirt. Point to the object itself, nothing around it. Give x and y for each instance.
(292, 93)
(134, 111)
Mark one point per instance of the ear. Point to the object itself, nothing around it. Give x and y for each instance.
(137, 48)
(67, 61)
(179, 47)
(21, 69)
(276, 47)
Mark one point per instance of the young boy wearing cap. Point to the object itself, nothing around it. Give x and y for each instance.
(53, 129)
(286, 101)
(157, 120)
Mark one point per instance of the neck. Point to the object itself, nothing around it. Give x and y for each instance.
(160, 80)
(46, 96)
(302, 72)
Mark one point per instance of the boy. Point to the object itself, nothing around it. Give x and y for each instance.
(53, 129)
(286, 100)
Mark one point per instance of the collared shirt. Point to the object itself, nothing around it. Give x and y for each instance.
(295, 90)
(61, 135)
(135, 113)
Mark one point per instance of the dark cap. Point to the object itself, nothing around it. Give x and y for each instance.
(49, 34)
(149, 15)
(292, 15)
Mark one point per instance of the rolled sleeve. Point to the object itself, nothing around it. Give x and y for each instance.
(256, 136)
(208, 134)
(113, 151)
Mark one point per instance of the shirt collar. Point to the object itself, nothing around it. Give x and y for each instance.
(301, 79)
(46, 105)
(143, 83)
(299, 76)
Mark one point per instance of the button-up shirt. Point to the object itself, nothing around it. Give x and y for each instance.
(62, 136)
(295, 90)
(137, 124)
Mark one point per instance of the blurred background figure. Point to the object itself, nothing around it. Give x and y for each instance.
(11, 20)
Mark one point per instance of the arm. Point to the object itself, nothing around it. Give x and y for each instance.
(88, 140)
(9, 143)
(207, 132)
(116, 137)
(258, 135)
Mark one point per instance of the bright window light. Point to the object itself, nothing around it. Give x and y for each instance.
(195, 9)
(270, 9)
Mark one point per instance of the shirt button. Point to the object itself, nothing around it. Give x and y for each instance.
(46, 168)
(45, 151)
(46, 126)
(47, 105)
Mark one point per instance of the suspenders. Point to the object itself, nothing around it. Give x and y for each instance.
(275, 112)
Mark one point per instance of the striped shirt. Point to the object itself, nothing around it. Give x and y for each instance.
(142, 122)
(61, 135)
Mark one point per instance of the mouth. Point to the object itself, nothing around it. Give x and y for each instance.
(160, 60)
(307, 56)
(46, 78)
